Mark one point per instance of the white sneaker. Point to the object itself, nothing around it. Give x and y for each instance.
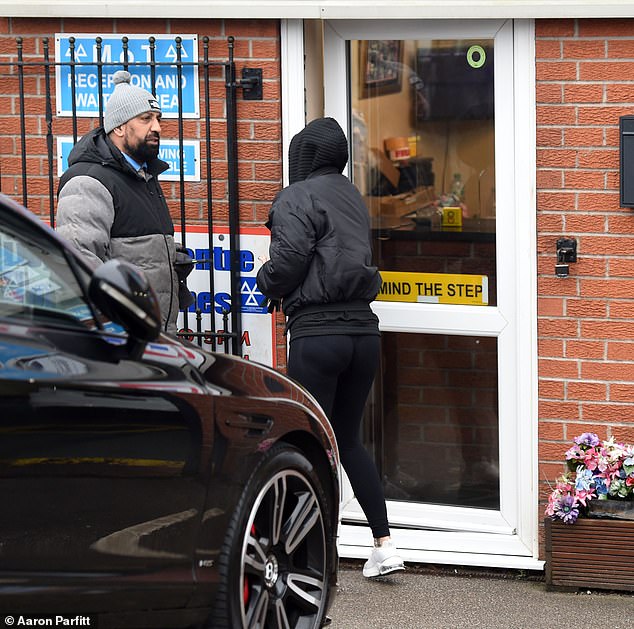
(383, 560)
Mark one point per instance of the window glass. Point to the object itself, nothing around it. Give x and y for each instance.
(423, 140)
(433, 419)
(37, 283)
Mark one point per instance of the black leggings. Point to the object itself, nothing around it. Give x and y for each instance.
(339, 370)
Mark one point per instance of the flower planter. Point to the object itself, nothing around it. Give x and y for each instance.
(591, 553)
(611, 509)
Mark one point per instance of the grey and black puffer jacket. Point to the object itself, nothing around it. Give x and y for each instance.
(320, 264)
(107, 210)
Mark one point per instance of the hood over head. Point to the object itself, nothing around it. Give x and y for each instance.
(321, 144)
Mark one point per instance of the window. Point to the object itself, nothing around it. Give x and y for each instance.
(37, 282)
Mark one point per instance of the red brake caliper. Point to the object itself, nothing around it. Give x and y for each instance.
(245, 593)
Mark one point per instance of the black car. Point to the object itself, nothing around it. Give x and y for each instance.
(144, 481)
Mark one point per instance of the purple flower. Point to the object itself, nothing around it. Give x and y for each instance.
(567, 509)
(587, 439)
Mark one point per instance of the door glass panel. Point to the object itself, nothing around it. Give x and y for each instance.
(423, 137)
(432, 421)
(422, 125)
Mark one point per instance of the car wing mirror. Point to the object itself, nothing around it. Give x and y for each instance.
(122, 292)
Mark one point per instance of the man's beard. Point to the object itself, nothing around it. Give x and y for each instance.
(142, 152)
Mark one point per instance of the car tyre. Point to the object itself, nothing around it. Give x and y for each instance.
(275, 562)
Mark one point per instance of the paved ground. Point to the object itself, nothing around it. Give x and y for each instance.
(444, 597)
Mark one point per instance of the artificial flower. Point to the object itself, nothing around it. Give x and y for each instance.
(597, 470)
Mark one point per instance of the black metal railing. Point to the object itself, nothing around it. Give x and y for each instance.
(22, 68)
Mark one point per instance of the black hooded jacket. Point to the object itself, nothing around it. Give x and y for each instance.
(320, 265)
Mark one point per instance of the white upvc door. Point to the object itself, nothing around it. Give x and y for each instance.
(508, 536)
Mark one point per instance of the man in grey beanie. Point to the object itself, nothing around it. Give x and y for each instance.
(110, 203)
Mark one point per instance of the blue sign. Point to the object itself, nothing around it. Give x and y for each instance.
(169, 152)
(87, 79)
(252, 299)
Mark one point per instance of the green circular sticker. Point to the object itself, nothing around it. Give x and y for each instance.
(476, 56)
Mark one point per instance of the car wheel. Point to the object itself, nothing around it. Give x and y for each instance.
(274, 565)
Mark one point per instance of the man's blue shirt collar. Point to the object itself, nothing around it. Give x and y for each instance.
(134, 163)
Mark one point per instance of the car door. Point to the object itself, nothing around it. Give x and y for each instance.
(102, 457)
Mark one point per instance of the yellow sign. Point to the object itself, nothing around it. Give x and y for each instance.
(451, 217)
(434, 288)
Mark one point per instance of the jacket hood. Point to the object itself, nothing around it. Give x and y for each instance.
(95, 147)
(320, 145)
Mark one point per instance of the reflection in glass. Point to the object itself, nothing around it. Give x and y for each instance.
(433, 419)
(423, 140)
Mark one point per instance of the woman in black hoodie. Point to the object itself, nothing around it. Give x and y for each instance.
(320, 270)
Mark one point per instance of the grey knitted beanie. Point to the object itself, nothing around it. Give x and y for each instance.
(126, 102)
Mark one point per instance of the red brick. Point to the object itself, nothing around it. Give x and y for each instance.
(605, 28)
(619, 93)
(583, 136)
(597, 201)
(559, 328)
(583, 93)
(617, 413)
(558, 408)
(553, 348)
(584, 49)
(622, 267)
(585, 350)
(268, 172)
(555, 28)
(556, 158)
(621, 48)
(598, 158)
(552, 223)
(621, 350)
(605, 288)
(582, 179)
(581, 391)
(573, 430)
(621, 310)
(556, 286)
(549, 306)
(252, 28)
(556, 114)
(547, 49)
(608, 245)
(265, 49)
(586, 308)
(556, 71)
(621, 392)
(600, 115)
(549, 93)
(551, 452)
(607, 372)
(620, 224)
(550, 136)
(551, 389)
(585, 223)
(606, 71)
(549, 368)
(552, 179)
(31, 26)
(622, 434)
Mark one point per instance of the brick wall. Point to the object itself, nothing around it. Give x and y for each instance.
(585, 82)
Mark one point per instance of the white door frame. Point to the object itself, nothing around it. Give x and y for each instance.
(508, 537)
